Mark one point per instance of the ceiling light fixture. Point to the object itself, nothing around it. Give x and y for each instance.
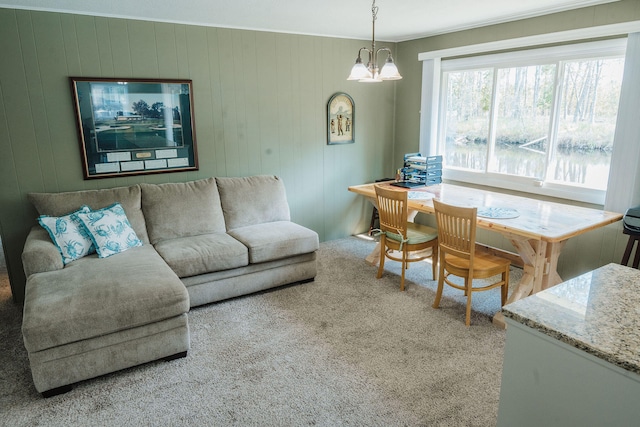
(369, 73)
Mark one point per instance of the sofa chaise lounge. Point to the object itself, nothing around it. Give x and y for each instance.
(199, 242)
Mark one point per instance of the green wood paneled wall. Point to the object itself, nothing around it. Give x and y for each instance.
(260, 108)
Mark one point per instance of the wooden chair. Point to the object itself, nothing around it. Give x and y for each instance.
(457, 241)
(397, 234)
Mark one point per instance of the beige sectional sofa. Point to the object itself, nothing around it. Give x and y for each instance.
(202, 241)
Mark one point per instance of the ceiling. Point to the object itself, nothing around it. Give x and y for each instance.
(398, 20)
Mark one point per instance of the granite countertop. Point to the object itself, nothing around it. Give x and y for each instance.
(597, 312)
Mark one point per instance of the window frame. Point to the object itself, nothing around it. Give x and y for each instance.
(558, 55)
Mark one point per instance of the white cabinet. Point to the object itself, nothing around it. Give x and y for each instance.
(572, 353)
(546, 382)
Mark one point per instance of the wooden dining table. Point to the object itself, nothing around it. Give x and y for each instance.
(537, 229)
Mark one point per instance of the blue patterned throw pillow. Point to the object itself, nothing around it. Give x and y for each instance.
(68, 234)
(110, 230)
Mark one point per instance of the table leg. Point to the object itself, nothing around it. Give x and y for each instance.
(551, 277)
(540, 272)
(534, 257)
(374, 257)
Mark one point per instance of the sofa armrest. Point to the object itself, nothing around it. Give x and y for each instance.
(39, 253)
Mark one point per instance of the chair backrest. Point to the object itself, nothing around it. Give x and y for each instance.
(392, 208)
(456, 229)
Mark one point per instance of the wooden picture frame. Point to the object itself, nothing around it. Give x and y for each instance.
(340, 119)
(134, 126)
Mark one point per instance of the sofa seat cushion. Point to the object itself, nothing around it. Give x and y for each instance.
(275, 240)
(188, 256)
(94, 296)
(182, 209)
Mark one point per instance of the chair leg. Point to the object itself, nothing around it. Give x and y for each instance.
(383, 255)
(404, 267)
(628, 249)
(434, 262)
(436, 302)
(467, 286)
(636, 258)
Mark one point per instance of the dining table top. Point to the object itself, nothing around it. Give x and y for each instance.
(506, 213)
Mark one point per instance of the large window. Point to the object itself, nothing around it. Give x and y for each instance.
(537, 118)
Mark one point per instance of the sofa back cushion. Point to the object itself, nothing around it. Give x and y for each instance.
(182, 209)
(253, 200)
(58, 204)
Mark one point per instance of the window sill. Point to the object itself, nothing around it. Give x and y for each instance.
(518, 185)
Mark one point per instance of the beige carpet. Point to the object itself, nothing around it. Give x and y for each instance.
(346, 349)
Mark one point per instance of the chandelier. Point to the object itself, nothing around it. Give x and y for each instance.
(370, 73)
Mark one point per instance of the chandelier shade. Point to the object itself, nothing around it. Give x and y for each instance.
(389, 70)
(370, 73)
(359, 71)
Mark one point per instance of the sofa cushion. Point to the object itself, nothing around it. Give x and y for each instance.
(281, 239)
(109, 230)
(253, 200)
(95, 296)
(68, 235)
(188, 256)
(58, 204)
(182, 209)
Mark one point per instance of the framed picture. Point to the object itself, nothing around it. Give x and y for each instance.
(340, 119)
(134, 126)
